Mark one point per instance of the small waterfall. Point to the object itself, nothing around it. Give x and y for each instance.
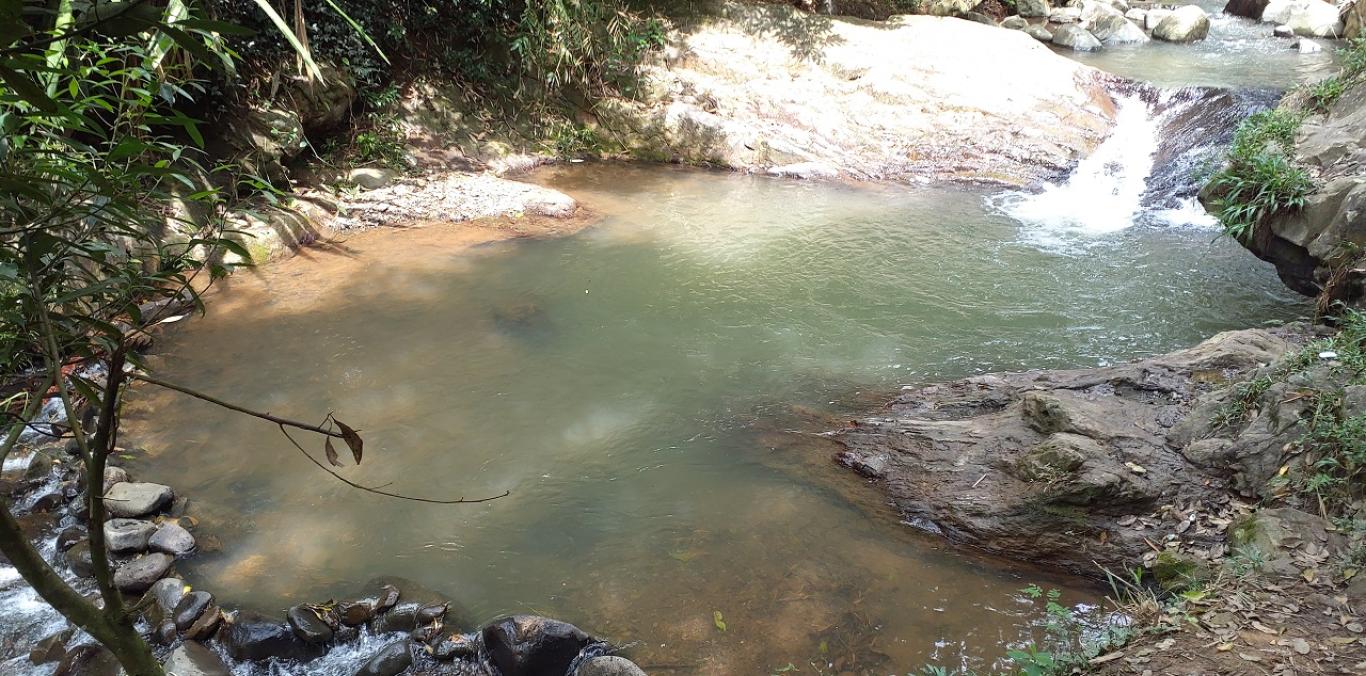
(1149, 171)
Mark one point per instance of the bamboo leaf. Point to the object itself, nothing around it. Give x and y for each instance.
(310, 66)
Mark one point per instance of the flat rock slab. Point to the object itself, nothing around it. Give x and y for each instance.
(138, 575)
(129, 499)
(912, 97)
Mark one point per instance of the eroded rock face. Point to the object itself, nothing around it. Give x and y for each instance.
(1046, 465)
(917, 96)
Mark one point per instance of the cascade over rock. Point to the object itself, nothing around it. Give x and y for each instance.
(916, 96)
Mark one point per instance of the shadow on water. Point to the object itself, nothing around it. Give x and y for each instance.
(633, 387)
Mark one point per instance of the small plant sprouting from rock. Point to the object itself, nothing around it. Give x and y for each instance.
(1259, 180)
(1324, 93)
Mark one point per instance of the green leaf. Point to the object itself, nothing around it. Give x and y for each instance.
(717, 620)
(27, 89)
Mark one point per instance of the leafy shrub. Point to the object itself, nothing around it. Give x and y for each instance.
(1259, 180)
(1325, 92)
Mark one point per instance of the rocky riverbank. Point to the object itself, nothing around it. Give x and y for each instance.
(407, 628)
(1182, 473)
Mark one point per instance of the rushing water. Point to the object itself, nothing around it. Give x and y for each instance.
(1238, 52)
(623, 384)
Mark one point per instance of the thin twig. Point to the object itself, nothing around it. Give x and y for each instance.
(376, 491)
(284, 422)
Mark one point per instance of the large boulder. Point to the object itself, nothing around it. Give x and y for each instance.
(391, 660)
(1125, 32)
(1053, 466)
(1185, 24)
(529, 645)
(1313, 18)
(1076, 38)
(917, 96)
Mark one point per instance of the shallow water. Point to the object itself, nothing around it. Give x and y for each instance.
(625, 385)
(1238, 52)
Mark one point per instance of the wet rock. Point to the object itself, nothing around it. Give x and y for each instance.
(39, 467)
(455, 646)
(89, 660)
(1283, 31)
(137, 575)
(122, 536)
(528, 645)
(191, 658)
(1185, 24)
(978, 17)
(172, 538)
(129, 499)
(309, 624)
(1075, 38)
(1014, 23)
(254, 638)
(78, 559)
(410, 605)
(70, 536)
(609, 665)
(805, 170)
(48, 502)
(165, 633)
(51, 649)
(167, 593)
(1039, 33)
(190, 607)
(356, 613)
(1251, 9)
(391, 660)
(406, 617)
(206, 625)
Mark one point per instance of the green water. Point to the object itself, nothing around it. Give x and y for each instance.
(632, 387)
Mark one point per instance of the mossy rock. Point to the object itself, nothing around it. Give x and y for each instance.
(1057, 456)
(1176, 571)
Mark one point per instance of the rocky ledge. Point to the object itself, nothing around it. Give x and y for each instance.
(1060, 466)
(768, 88)
(1188, 470)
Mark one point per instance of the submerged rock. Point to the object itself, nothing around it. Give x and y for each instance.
(529, 645)
(609, 665)
(191, 658)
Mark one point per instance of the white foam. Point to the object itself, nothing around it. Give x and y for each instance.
(1102, 196)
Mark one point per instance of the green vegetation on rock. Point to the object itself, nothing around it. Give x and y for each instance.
(1260, 179)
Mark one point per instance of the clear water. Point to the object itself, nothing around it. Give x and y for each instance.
(1238, 52)
(635, 387)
